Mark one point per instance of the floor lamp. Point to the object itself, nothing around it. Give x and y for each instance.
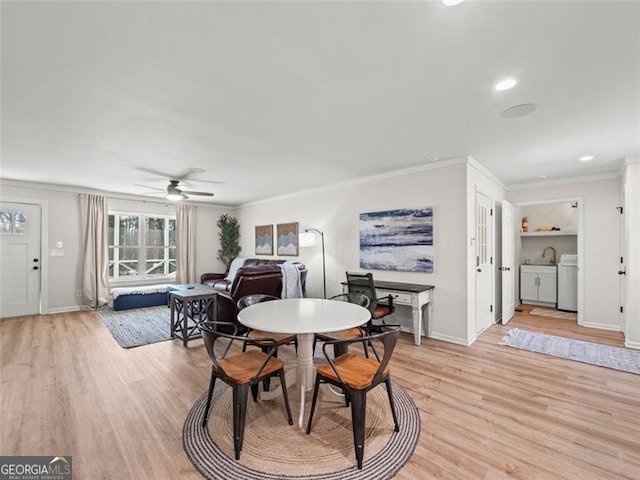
(308, 239)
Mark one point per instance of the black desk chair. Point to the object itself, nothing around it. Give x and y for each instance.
(363, 283)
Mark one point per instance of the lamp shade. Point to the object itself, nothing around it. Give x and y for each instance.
(306, 239)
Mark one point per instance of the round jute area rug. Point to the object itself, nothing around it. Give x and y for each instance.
(274, 449)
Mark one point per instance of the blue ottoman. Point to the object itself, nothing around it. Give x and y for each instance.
(139, 297)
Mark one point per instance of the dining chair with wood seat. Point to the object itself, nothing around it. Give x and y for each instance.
(280, 338)
(358, 282)
(350, 333)
(241, 371)
(356, 375)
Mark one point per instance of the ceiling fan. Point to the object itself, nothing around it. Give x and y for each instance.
(173, 191)
(176, 194)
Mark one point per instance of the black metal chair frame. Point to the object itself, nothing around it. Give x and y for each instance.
(358, 397)
(357, 298)
(211, 335)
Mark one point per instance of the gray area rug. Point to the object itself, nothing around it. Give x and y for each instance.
(274, 449)
(624, 359)
(140, 326)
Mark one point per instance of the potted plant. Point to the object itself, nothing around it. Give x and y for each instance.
(229, 239)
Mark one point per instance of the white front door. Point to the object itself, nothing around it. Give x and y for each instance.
(20, 257)
(508, 262)
(484, 262)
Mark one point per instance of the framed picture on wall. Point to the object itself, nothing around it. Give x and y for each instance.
(264, 240)
(399, 239)
(287, 235)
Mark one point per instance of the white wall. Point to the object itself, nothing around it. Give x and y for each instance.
(335, 211)
(601, 243)
(64, 275)
(560, 215)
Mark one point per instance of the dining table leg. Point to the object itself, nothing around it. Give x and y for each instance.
(304, 370)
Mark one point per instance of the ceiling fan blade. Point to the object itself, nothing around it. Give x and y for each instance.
(203, 194)
(153, 172)
(200, 180)
(152, 188)
(188, 173)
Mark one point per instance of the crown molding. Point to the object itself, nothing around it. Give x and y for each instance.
(482, 169)
(561, 181)
(112, 195)
(448, 162)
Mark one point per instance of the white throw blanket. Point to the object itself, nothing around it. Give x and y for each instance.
(291, 284)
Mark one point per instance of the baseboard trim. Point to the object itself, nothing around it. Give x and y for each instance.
(75, 308)
(634, 345)
(451, 339)
(603, 326)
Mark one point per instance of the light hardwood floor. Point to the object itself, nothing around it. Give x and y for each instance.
(488, 411)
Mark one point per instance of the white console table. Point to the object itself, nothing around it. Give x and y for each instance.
(412, 294)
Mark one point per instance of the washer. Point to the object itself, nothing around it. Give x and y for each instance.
(568, 283)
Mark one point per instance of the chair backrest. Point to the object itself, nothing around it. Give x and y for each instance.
(357, 298)
(254, 298)
(358, 282)
(216, 331)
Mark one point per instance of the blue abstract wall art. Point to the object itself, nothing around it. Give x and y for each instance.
(397, 240)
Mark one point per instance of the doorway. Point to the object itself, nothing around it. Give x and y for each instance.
(21, 258)
(548, 234)
(484, 262)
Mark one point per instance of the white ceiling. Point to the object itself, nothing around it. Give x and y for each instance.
(273, 98)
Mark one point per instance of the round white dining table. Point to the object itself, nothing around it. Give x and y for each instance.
(303, 317)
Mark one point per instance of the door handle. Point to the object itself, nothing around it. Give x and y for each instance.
(622, 272)
(36, 267)
(36, 260)
(478, 269)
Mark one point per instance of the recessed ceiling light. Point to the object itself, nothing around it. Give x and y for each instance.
(506, 84)
(586, 158)
(451, 3)
(519, 110)
(542, 177)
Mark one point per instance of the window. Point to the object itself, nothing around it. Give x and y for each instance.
(141, 246)
(13, 222)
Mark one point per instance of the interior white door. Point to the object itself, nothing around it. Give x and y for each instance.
(622, 268)
(484, 262)
(508, 262)
(20, 239)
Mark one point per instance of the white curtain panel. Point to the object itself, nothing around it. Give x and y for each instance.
(186, 244)
(95, 232)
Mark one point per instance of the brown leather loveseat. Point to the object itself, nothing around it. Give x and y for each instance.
(255, 276)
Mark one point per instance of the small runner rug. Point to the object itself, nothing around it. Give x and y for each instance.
(274, 449)
(624, 359)
(140, 326)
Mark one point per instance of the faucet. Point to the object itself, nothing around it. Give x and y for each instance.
(552, 261)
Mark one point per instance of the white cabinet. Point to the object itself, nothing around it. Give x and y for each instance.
(538, 284)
